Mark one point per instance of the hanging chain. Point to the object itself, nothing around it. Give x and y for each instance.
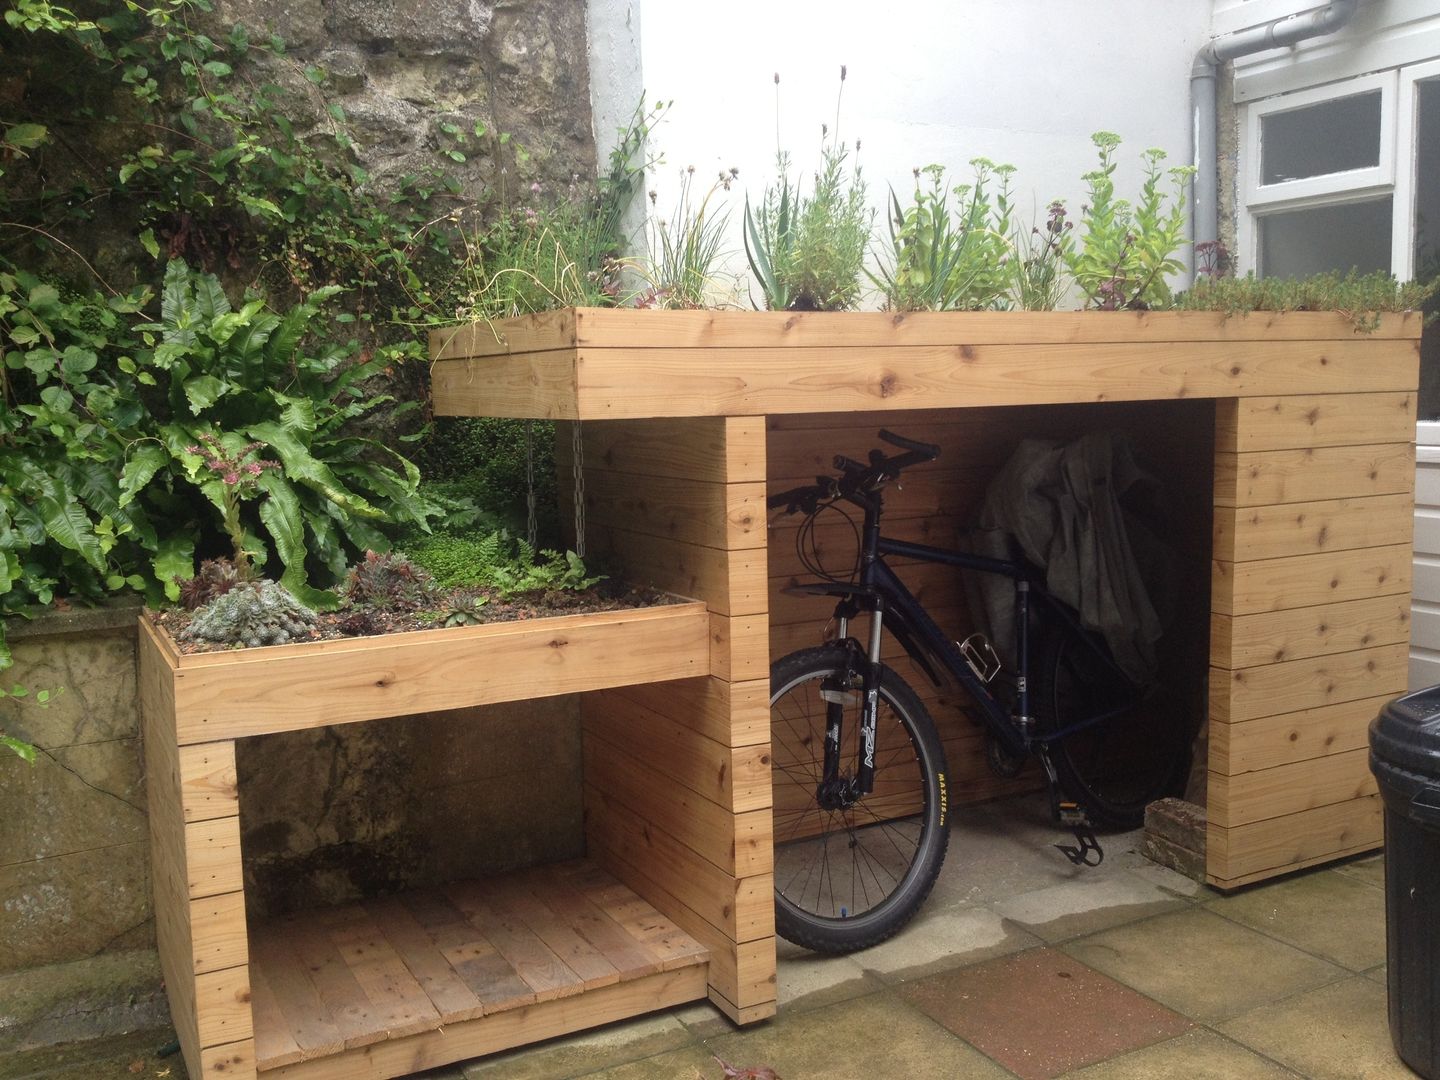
(579, 460)
(531, 531)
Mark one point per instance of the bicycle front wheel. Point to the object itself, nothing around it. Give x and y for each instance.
(849, 876)
(1116, 765)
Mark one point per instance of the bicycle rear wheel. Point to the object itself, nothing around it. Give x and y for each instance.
(1116, 766)
(849, 877)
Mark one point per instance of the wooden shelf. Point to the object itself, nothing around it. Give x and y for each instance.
(436, 975)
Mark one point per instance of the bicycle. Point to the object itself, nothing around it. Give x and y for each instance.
(858, 769)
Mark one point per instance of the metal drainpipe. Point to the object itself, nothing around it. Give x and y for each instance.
(1204, 211)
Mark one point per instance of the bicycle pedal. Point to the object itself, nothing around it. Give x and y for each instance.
(1087, 850)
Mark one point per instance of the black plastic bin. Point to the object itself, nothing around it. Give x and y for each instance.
(1405, 757)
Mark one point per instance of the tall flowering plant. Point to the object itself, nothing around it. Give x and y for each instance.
(238, 481)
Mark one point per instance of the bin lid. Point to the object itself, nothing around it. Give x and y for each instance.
(1406, 734)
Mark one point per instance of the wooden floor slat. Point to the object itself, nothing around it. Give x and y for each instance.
(328, 982)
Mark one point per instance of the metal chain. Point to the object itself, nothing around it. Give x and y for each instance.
(579, 462)
(531, 531)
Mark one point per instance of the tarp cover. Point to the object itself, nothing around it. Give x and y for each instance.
(1080, 511)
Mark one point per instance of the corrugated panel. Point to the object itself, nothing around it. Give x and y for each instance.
(1425, 603)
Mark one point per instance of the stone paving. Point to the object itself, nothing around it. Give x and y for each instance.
(1019, 966)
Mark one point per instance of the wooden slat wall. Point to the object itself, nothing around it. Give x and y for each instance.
(678, 775)
(1309, 623)
(934, 505)
(199, 906)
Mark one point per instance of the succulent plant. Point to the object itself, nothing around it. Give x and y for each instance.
(465, 610)
(252, 613)
(215, 578)
(390, 582)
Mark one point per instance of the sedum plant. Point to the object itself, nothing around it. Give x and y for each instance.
(252, 614)
(1362, 297)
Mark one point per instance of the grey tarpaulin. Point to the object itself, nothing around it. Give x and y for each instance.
(1078, 511)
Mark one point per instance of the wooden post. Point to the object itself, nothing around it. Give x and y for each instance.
(677, 776)
(1310, 609)
(199, 902)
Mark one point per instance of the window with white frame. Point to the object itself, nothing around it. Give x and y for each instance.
(1344, 176)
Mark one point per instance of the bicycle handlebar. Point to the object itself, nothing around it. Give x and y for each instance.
(856, 478)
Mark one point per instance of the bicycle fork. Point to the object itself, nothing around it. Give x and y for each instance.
(834, 791)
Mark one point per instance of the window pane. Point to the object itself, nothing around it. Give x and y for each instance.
(1427, 179)
(1329, 137)
(1353, 236)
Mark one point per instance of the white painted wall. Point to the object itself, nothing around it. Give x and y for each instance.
(929, 81)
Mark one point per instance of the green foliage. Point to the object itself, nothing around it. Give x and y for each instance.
(1126, 249)
(950, 260)
(1037, 266)
(1360, 297)
(808, 252)
(390, 582)
(680, 269)
(495, 560)
(252, 614)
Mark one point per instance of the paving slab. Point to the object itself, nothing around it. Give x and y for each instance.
(1197, 1055)
(1201, 965)
(1333, 915)
(943, 938)
(1041, 1013)
(1367, 868)
(807, 980)
(1065, 911)
(1336, 1032)
(873, 1036)
(689, 1063)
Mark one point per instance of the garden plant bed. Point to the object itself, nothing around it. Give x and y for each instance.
(493, 607)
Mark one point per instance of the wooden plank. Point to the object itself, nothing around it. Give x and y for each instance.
(1272, 532)
(1289, 789)
(1306, 420)
(274, 1043)
(513, 899)
(620, 327)
(222, 1006)
(1324, 472)
(731, 713)
(1273, 846)
(543, 331)
(623, 383)
(1274, 636)
(1317, 860)
(743, 908)
(467, 949)
(303, 1018)
(700, 449)
(730, 582)
(209, 788)
(233, 1061)
(1308, 580)
(737, 843)
(1249, 693)
(638, 916)
(631, 957)
(212, 857)
(739, 647)
(1289, 737)
(438, 669)
(403, 1005)
(544, 972)
(735, 778)
(218, 935)
(742, 972)
(540, 385)
(712, 515)
(306, 942)
(452, 999)
(473, 1038)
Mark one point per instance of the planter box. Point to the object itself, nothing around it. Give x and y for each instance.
(1311, 425)
(238, 1002)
